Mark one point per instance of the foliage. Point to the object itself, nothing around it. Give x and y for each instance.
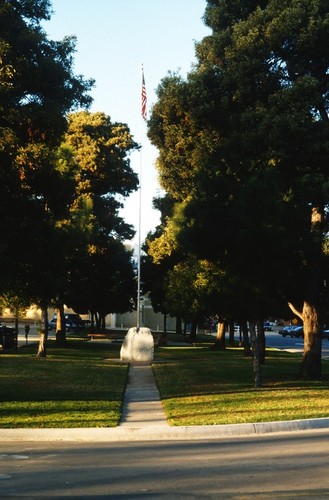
(100, 269)
(37, 89)
(248, 132)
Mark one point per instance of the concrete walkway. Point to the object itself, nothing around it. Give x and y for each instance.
(142, 406)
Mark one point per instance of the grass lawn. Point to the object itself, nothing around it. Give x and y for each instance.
(76, 386)
(200, 386)
(81, 385)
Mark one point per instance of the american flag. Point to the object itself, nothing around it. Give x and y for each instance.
(144, 99)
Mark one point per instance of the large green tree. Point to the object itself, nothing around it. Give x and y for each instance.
(101, 278)
(276, 63)
(37, 89)
(250, 130)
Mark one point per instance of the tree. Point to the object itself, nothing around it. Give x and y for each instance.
(253, 111)
(277, 64)
(100, 269)
(37, 89)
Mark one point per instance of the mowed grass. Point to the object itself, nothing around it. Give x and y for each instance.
(76, 386)
(200, 386)
(82, 385)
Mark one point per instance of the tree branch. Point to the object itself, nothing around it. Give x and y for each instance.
(295, 311)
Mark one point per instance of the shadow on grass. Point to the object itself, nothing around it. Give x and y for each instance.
(74, 386)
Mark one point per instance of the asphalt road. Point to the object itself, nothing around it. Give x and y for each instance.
(273, 339)
(261, 467)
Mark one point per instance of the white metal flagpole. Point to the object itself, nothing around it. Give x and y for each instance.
(143, 119)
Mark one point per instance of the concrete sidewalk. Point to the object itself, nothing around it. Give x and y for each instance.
(142, 406)
(143, 419)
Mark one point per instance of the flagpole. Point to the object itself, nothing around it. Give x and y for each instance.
(143, 118)
(139, 236)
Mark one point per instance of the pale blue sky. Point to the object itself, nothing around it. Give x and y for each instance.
(114, 38)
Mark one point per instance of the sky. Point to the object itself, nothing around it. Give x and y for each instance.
(114, 39)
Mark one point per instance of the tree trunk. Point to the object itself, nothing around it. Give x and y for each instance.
(92, 321)
(311, 364)
(256, 355)
(163, 337)
(194, 326)
(16, 320)
(231, 334)
(261, 341)
(42, 349)
(165, 325)
(220, 337)
(60, 326)
(245, 337)
(97, 321)
(179, 329)
(311, 314)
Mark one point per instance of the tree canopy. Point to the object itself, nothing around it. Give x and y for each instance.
(243, 149)
(64, 172)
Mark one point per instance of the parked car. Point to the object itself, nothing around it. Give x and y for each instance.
(8, 337)
(52, 324)
(287, 330)
(298, 331)
(72, 322)
(267, 326)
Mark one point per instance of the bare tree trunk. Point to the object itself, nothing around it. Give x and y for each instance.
(92, 321)
(42, 349)
(98, 321)
(60, 325)
(163, 337)
(311, 363)
(231, 334)
(165, 325)
(220, 337)
(256, 355)
(194, 326)
(179, 330)
(16, 319)
(245, 336)
(311, 314)
(261, 340)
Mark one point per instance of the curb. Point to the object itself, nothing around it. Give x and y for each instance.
(161, 433)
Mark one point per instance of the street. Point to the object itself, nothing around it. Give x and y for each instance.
(291, 344)
(275, 466)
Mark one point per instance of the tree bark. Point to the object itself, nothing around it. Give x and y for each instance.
(60, 326)
(179, 330)
(220, 337)
(311, 313)
(231, 334)
(42, 349)
(245, 337)
(311, 363)
(194, 326)
(256, 355)
(261, 340)
(163, 337)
